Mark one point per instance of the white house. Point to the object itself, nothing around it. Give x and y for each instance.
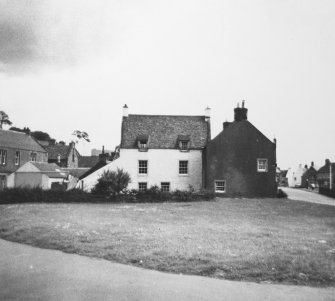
(43, 175)
(294, 177)
(162, 150)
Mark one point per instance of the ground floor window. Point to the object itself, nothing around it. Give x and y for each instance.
(142, 186)
(220, 186)
(165, 186)
(3, 182)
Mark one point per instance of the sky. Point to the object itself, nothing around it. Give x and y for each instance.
(72, 65)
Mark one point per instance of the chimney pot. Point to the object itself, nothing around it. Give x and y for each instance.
(125, 111)
(240, 113)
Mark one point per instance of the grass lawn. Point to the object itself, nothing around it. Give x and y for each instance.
(275, 240)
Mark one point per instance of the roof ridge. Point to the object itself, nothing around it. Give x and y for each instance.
(161, 115)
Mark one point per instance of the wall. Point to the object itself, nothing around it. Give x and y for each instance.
(163, 166)
(70, 162)
(30, 179)
(232, 156)
(24, 158)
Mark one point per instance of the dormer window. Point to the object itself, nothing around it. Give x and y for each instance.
(184, 143)
(143, 143)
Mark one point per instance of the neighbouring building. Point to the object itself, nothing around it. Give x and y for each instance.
(16, 149)
(294, 176)
(63, 155)
(176, 152)
(241, 161)
(163, 150)
(326, 178)
(309, 178)
(42, 175)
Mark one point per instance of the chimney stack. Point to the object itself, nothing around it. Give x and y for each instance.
(207, 113)
(125, 111)
(226, 124)
(241, 113)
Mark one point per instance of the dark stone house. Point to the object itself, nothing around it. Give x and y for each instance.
(326, 179)
(63, 155)
(241, 161)
(309, 178)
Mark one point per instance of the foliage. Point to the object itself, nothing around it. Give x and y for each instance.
(112, 182)
(281, 194)
(4, 119)
(42, 136)
(24, 130)
(81, 135)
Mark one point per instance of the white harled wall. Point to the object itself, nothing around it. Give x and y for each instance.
(163, 166)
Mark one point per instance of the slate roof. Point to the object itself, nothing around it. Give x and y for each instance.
(87, 161)
(58, 149)
(164, 130)
(325, 168)
(17, 140)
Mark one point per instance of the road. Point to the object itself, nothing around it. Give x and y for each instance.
(28, 273)
(308, 196)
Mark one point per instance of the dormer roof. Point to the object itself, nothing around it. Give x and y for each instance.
(165, 130)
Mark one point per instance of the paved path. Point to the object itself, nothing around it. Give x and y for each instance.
(28, 273)
(308, 196)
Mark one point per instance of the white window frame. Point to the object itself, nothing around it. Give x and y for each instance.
(141, 168)
(216, 186)
(17, 158)
(184, 145)
(3, 157)
(183, 168)
(142, 189)
(31, 157)
(260, 167)
(165, 184)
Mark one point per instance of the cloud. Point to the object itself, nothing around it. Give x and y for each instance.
(39, 33)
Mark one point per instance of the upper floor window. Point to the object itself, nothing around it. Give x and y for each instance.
(184, 143)
(33, 157)
(220, 186)
(183, 167)
(142, 186)
(17, 158)
(262, 165)
(165, 186)
(142, 166)
(143, 143)
(3, 157)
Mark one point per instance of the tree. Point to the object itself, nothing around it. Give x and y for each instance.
(4, 119)
(41, 136)
(112, 182)
(81, 135)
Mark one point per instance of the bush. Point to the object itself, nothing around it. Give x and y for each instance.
(112, 182)
(281, 194)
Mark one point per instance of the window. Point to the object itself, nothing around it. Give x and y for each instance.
(17, 158)
(3, 157)
(33, 157)
(262, 165)
(142, 167)
(220, 186)
(142, 186)
(165, 186)
(3, 181)
(184, 145)
(183, 167)
(143, 143)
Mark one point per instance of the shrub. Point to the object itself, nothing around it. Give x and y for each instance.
(112, 182)
(281, 194)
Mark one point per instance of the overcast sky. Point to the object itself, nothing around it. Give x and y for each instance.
(71, 65)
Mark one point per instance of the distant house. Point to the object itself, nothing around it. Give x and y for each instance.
(87, 161)
(326, 178)
(63, 155)
(42, 175)
(281, 177)
(16, 149)
(309, 178)
(176, 152)
(241, 161)
(294, 176)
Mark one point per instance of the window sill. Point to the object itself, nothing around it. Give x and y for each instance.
(183, 175)
(262, 171)
(216, 191)
(142, 174)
